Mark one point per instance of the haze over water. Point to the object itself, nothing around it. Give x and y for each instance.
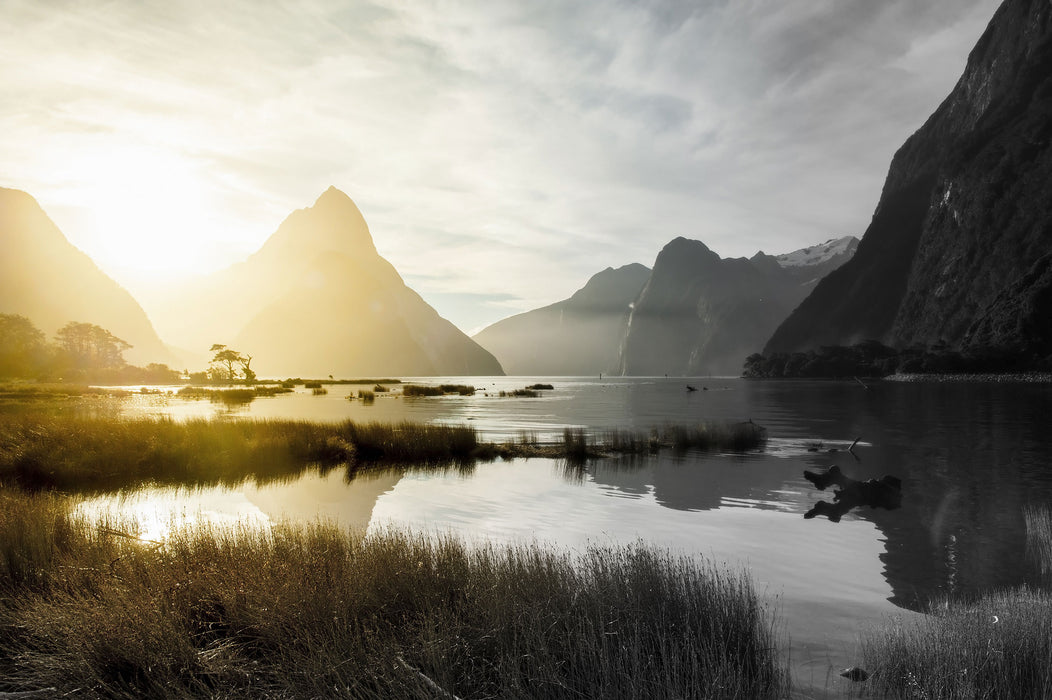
(960, 528)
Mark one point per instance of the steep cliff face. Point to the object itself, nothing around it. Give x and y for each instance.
(700, 314)
(577, 336)
(955, 248)
(317, 299)
(48, 280)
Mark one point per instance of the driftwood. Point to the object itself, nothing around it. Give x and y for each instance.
(118, 533)
(431, 685)
(885, 492)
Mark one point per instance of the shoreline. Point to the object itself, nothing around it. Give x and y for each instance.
(976, 377)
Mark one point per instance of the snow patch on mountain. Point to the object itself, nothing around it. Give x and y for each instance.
(818, 254)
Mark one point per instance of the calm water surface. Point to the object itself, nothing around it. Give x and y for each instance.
(971, 457)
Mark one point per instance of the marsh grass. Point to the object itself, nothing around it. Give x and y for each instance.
(55, 390)
(73, 453)
(526, 393)
(232, 397)
(95, 454)
(999, 646)
(319, 391)
(315, 611)
(1039, 539)
(365, 395)
(440, 390)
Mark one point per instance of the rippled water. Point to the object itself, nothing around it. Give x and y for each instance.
(970, 456)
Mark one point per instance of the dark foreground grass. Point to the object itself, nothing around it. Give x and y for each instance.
(314, 611)
(997, 647)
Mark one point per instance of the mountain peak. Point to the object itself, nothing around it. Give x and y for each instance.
(333, 195)
(332, 224)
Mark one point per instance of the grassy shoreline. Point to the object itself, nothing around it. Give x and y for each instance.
(315, 611)
(997, 646)
(76, 453)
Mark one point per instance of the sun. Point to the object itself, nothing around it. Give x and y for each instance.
(147, 211)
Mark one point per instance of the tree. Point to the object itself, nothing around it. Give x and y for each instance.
(88, 346)
(23, 348)
(227, 363)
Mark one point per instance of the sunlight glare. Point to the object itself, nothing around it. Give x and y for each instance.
(149, 209)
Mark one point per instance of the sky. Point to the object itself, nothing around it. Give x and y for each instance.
(501, 152)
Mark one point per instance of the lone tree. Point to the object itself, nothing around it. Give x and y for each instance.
(228, 364)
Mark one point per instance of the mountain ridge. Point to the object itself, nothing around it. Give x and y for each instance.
(52, 282)
(681, 303)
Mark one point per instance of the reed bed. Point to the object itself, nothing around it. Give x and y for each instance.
(55, 390)
(735, 437)
(999, 646)
(440, 390)
(526, 393)
(315, 611)
(89, 453)
(73, 453)
(1039, 539)
(232, 396)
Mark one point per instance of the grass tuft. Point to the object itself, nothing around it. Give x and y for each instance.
(996, 647)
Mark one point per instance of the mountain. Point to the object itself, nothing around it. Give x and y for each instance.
(48, 280)
(317, 299)
(702, 314)
(959, 250)
(577, 336)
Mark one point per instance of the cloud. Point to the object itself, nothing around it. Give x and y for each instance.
(495, 148)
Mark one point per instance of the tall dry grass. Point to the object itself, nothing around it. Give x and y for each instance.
(314, 611)
(999, 646)
(996, 646)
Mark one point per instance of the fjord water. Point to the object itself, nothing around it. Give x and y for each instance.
(971, 457)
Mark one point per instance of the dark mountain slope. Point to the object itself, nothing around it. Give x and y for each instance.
(954, 251)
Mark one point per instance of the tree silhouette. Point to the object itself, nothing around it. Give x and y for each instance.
(23, 348)
(88, 346)
(226, 363)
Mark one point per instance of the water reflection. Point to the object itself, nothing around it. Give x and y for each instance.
(885, 492)
(334, 496)
(971, 459)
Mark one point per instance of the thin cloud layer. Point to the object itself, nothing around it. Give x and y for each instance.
(502, 152)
